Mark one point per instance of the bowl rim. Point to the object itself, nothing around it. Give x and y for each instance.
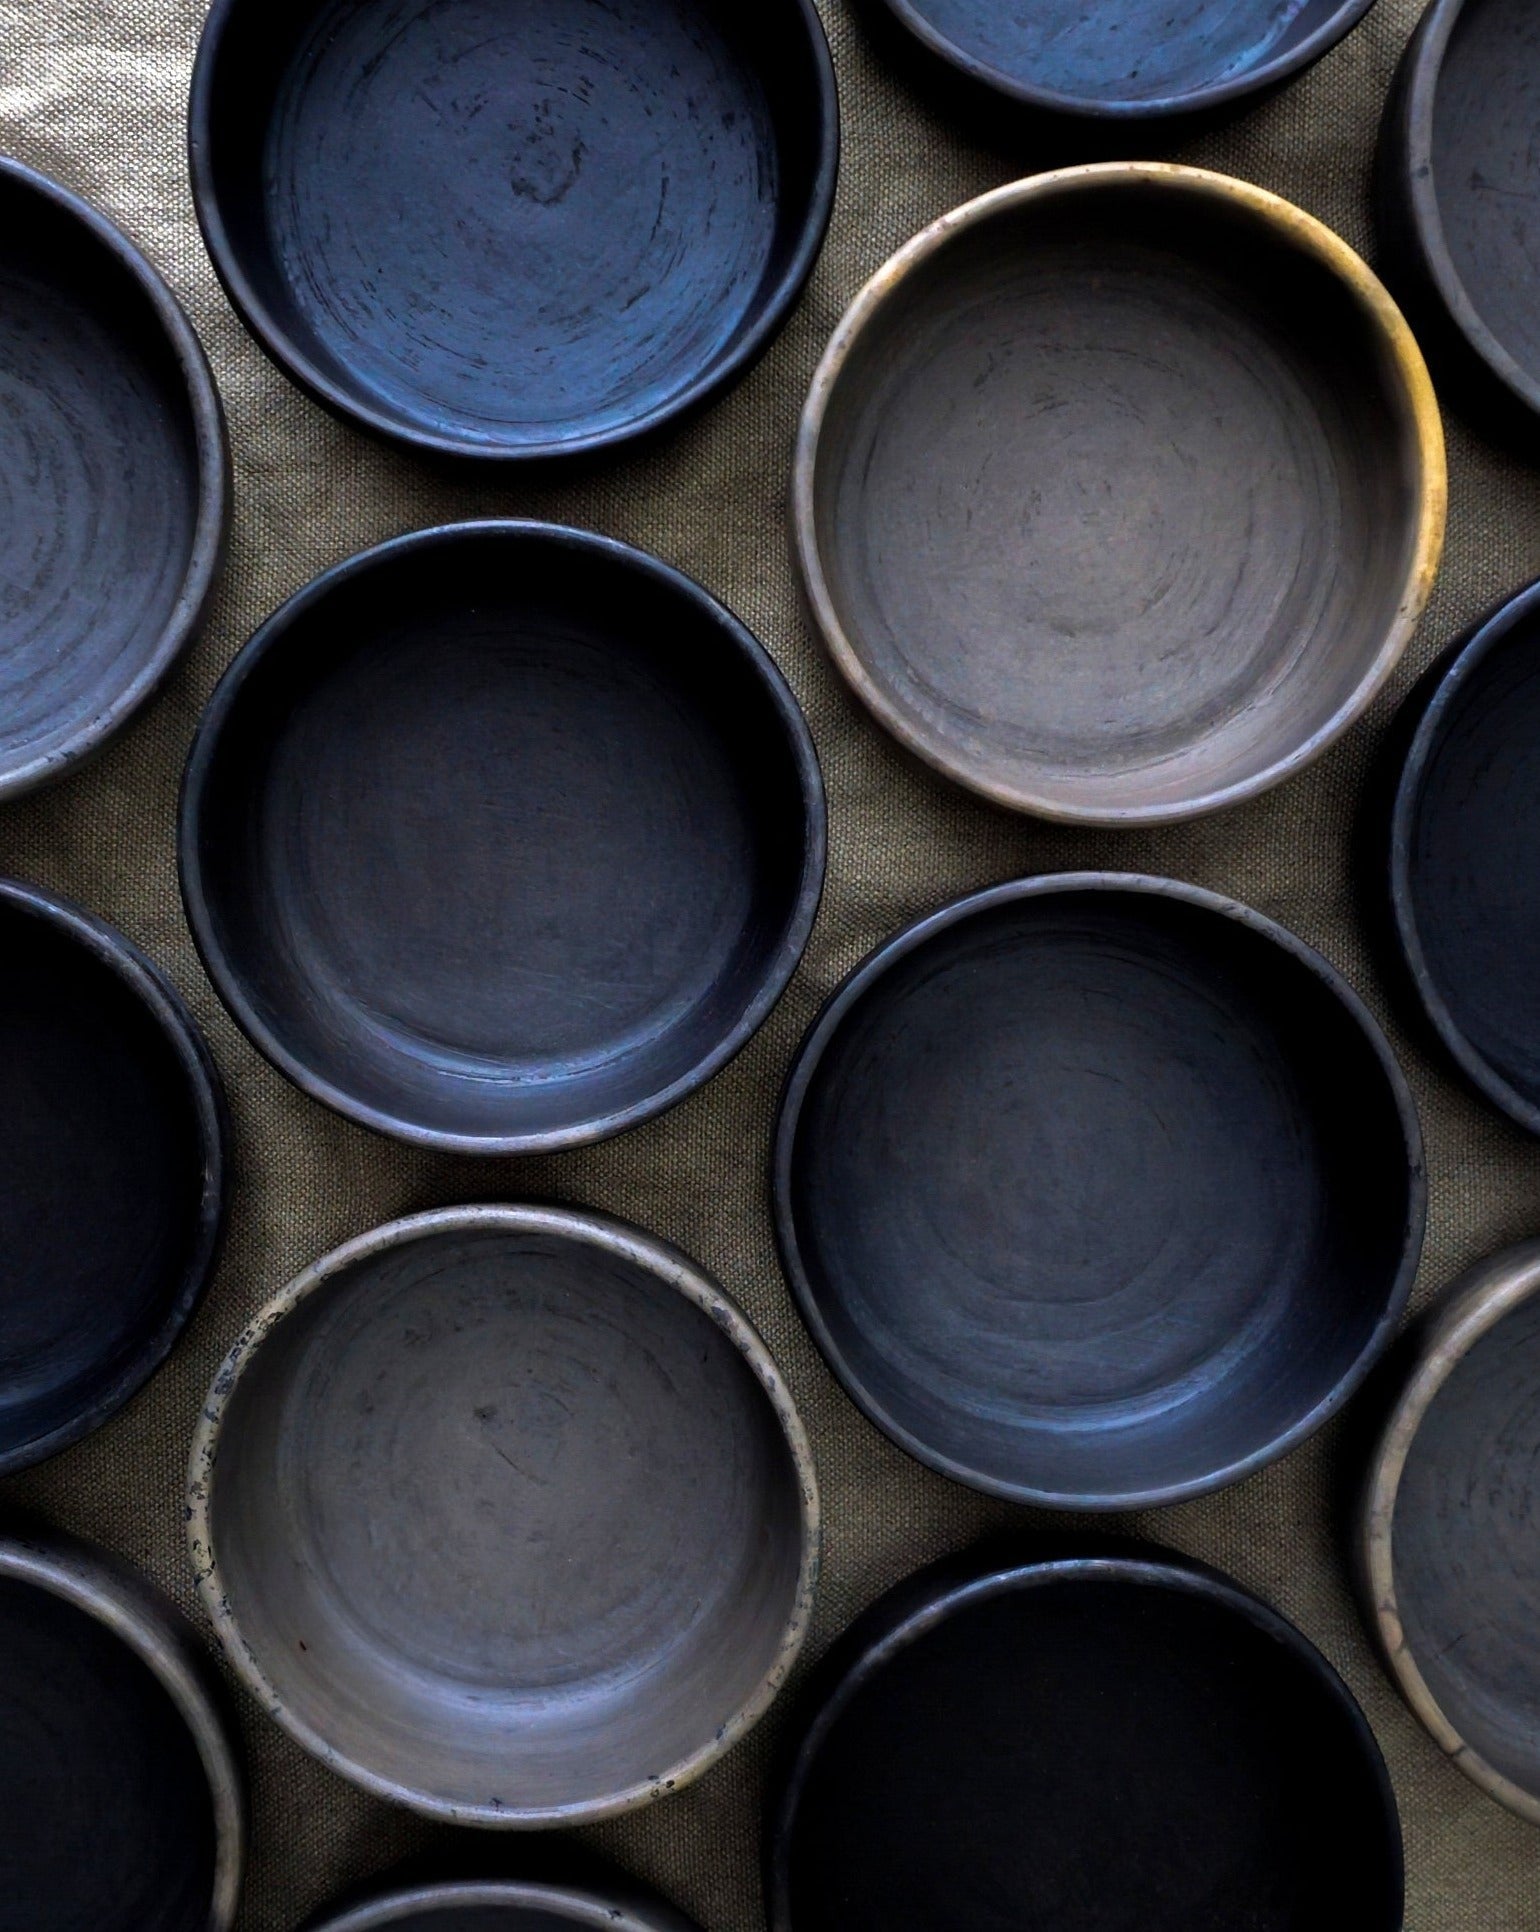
(920, 1603)
(583, 1905)
(291, 358)
(158, 997)
(870, 972)
(211, 450)
(581, 1227)
(1409, 119)
(1480, 1299)
(1459, 667)
(1287, 223)
(227, 975)
(1236, 86)
(155, 1631)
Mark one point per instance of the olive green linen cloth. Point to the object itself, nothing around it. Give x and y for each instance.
(92, 91)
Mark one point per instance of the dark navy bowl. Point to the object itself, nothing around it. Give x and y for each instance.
(513, 232)
(1110, 1737)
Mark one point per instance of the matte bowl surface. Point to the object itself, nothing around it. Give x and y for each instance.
(505, 1513)
(113, 479)
(1097, 1191)
(507, 1905)
(512, 232)
(502, 837)
(1082, 1744)
(1447, 1536)
(121, 1805)
(1119, 492)
(113, 1128)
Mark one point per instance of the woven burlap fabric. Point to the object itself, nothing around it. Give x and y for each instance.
(92, 91)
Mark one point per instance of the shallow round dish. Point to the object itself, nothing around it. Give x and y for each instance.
(121, 1802)
(506, 1515)
(1446, 1539)
(1464, 902)
(113, 1128)
(506, 1905)
(1098, 1191)
(502, 837)
(1119, 492)
(1130, 60)
(1077, 1743)
(1457, 168)
(113, 480)
(513, 232)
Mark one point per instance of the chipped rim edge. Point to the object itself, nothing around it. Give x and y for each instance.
(1422, 424)
(666, 1264)
(152, 1627)
(1482, 1298)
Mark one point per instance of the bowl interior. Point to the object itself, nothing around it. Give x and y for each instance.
(1116, 499)
(99, 480)
(102, 1219)
(1486, 128)
(503, 837)
(1462, 1544)
(507, 1522)
(1471, 897)
(1126, 53)
(1096, 1195)
(106, 1817)
(1084, 1754)
(514, 228)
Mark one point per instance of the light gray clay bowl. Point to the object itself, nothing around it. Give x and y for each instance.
(506, 1514)
(1449, 1535)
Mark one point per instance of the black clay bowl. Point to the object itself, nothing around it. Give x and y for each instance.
(113, 479)
(507, 1905)
(113, 1129)
(513, 231)
(1097, 1191)
(1128, 61)
(1110, 1743)
(502, 837)
(1447, 1534)
(1119, 492)
(1457, 169)
(121, 1805)
(1464, 897)
(506, 1515)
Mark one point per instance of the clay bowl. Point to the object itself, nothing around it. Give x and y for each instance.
(1074, 1743)
(121, 1803)
(1464, 814)
(1129, 63)
(506, 1905)
(1446, 1536)
(113, 1128)
(1098, 1192)
(501, 837)
(513, 233)
(113, 480)
(506, 1515)
(1102, 580)
(1456, 168)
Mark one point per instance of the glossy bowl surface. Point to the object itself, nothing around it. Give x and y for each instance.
(121, 1801)
(506, 1515)
(1119, 492)
(1098, 1191)
(114, 480)
(113, 1125)
(1110, 1742)
(502, 837)
(1446, 1541)
(1129, 60)
(516, 232)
